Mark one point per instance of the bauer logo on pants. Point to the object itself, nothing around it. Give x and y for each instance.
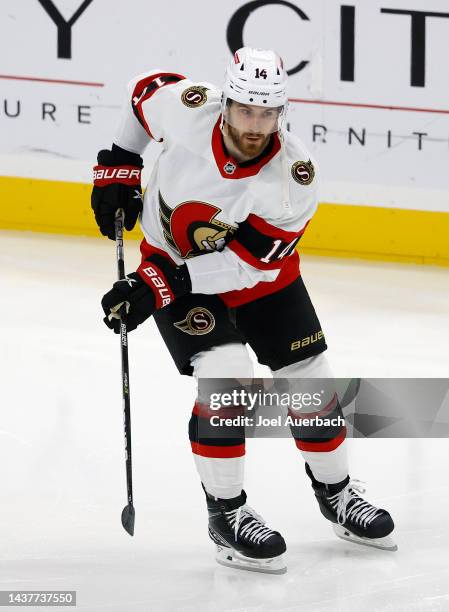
(303, 172)
(194, 96)
(199, 321)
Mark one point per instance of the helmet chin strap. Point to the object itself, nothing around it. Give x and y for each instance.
(223, 108)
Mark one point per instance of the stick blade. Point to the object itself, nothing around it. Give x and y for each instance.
(128, 518)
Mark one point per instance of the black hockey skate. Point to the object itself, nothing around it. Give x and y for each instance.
(353, 518)
(242, 538)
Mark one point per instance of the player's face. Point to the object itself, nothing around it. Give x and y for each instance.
(250, 126)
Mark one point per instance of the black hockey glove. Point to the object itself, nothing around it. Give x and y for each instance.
(117, 185)
(156, 283)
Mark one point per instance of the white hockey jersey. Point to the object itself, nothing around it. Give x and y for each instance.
(229, 222)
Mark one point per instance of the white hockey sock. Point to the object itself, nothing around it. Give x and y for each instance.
(313, 367)
(331, 466)
(224, 361)
(221, 477)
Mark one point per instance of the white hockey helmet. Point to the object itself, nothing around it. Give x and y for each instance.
(256, 77)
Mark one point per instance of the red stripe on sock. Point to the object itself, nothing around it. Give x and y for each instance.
(322, 447)
(206, 412)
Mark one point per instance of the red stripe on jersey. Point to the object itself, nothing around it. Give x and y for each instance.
(289, 273)
(222, 158)
(147, 249)
(271, 230)
(139, 96)
(322, 447)
(244, 254)
(218, 451)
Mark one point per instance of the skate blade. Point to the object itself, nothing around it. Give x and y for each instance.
(386, 543)
(232, 558)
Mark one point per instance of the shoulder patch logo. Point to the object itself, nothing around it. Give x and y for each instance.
(194, 96)
(303, 172)
(199, 321)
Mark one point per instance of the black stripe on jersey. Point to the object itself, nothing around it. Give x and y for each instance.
(260, 249)
(146, 88)
(254, 241)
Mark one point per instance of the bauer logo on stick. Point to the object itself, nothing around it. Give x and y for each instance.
(199, 321)
(303, 172)
(194, 96)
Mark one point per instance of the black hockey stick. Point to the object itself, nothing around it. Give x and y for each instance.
(128, 513)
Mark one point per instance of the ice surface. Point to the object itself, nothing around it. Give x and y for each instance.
(62, 461)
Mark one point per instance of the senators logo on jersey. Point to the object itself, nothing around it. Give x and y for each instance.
(191, 228)
(194, 96)
(303, 172)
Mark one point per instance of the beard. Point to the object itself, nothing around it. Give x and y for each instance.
(249, 144)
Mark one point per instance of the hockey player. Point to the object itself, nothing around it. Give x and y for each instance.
(228, 200)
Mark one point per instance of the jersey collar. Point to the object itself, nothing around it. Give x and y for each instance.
(229, 167)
